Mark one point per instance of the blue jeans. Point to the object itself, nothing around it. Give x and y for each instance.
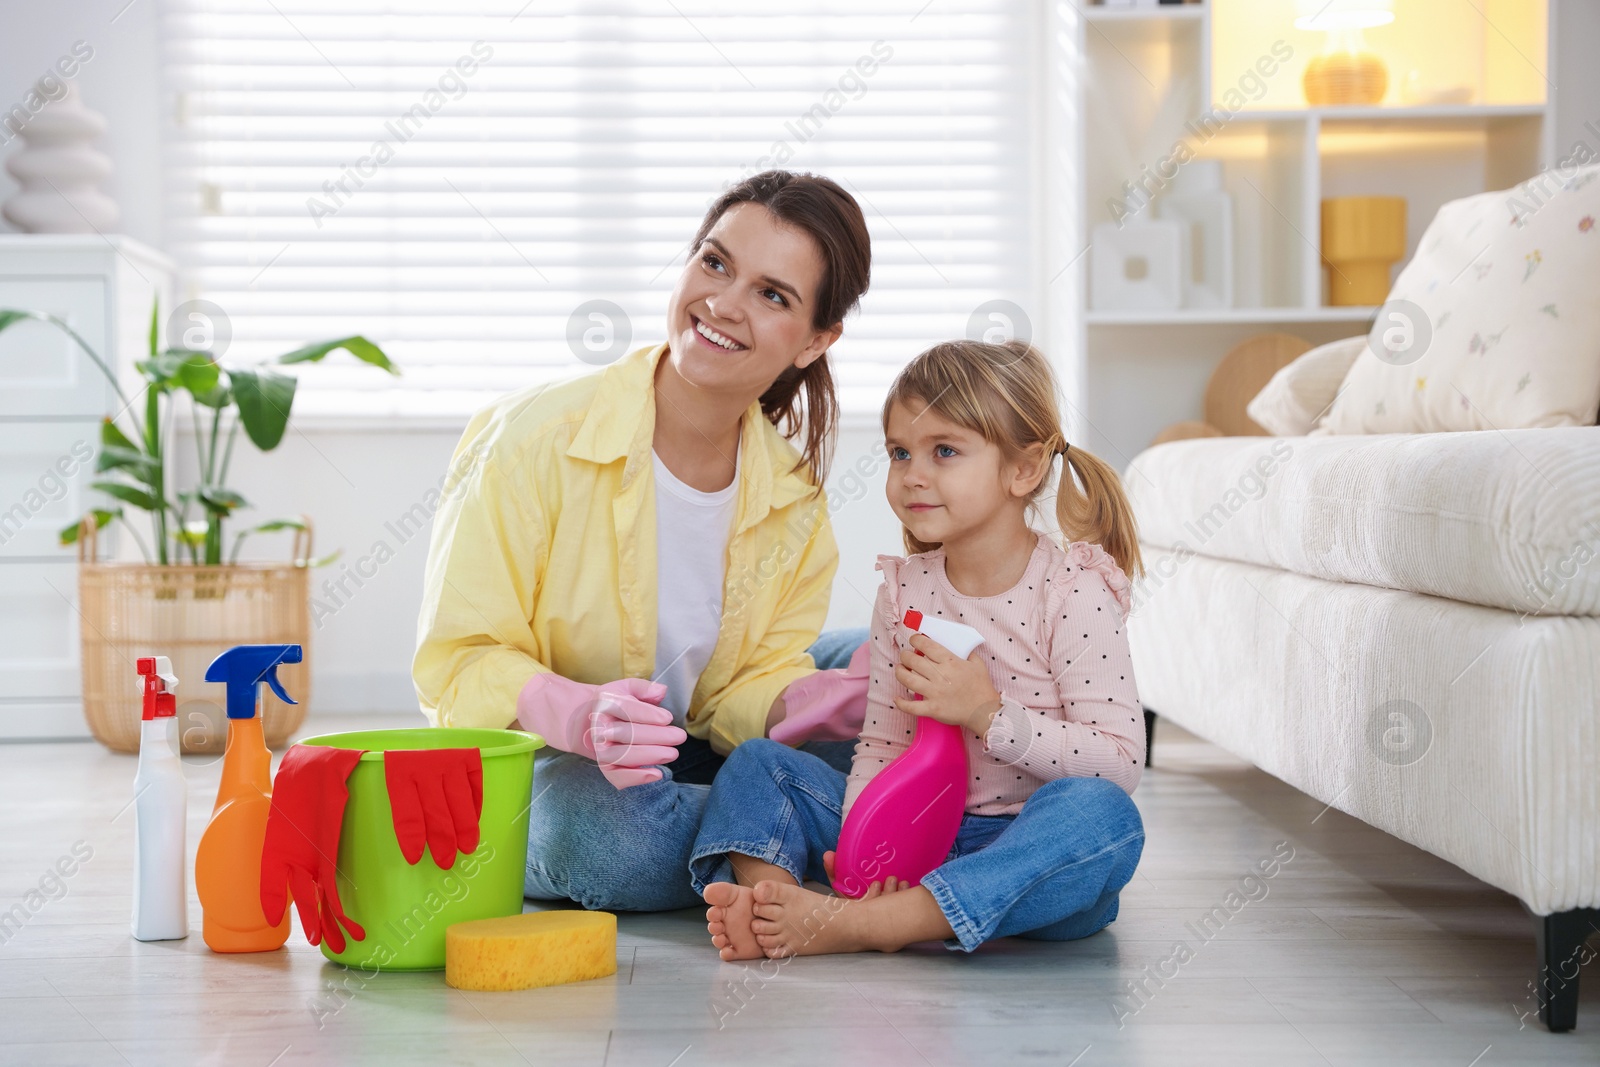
(628, 849)
(1051, 872)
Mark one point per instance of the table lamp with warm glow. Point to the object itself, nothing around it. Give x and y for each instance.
(1345, 72)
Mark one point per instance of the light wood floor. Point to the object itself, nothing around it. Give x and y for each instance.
(1363, 950)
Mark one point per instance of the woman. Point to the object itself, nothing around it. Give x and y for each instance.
(635, 564)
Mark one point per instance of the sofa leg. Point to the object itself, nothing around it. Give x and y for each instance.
(1149, 733)
(1560, 944)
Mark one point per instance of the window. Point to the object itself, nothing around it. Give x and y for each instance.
(456, 180)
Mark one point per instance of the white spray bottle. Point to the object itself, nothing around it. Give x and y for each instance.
(161, 807)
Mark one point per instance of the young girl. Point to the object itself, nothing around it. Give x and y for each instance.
(1051, 716)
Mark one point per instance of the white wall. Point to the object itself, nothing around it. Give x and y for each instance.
(1576, 75)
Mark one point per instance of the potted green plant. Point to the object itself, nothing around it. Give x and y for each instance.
(190, 599)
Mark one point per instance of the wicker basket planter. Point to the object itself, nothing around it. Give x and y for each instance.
(190, 614)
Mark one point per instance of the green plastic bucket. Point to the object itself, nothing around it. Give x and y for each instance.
(405, 909)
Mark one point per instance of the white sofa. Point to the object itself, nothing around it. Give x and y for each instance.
(1404, 626)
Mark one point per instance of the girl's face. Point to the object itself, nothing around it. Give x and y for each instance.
(752, 283)
(945, 481)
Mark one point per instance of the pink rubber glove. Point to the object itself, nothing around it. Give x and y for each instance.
(619, 725)
(827, 705)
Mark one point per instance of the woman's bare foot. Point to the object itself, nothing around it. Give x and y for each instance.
(728, 920)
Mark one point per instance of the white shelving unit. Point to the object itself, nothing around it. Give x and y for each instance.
(1214, 76)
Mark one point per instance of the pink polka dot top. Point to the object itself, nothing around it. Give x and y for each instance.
(1056, 645)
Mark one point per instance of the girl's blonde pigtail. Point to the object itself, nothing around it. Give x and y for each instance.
(1100, 512)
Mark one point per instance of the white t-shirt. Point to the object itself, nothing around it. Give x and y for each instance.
(692, 531)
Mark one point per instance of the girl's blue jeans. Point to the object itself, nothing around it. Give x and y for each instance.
(1052, 871)
(628, 849)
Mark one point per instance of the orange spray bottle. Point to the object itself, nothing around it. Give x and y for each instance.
(227, 867)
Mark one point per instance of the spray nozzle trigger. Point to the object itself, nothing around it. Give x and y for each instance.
(156, 681)
(156, 667)
(271, 678)
(244, 667)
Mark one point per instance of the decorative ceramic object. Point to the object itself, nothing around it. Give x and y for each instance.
(1135, 265)
(1339, 78)
(1197, 202)
(59, 171)
(1362, 238)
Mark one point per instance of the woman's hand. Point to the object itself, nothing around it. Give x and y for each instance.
(620, 725)
(953, 690)
(823, 706)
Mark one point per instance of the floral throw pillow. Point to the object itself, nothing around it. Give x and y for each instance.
(1495, 322)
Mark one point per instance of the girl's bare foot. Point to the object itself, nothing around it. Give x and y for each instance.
(728, 920)
(792, 921)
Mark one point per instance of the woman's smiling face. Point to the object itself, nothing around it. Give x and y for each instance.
(753, 285)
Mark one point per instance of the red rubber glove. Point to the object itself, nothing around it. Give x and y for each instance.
(435, 794)
(826, 705)
(301, 847)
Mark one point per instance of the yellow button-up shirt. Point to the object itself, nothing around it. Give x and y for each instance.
(544, 558)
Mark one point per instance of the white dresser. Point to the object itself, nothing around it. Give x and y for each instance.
(52, 398)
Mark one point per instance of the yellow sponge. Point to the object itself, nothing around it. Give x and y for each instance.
(534, 949)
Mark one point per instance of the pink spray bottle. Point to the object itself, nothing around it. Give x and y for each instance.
(907, 817)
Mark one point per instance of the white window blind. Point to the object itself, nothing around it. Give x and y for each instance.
(454, 179)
